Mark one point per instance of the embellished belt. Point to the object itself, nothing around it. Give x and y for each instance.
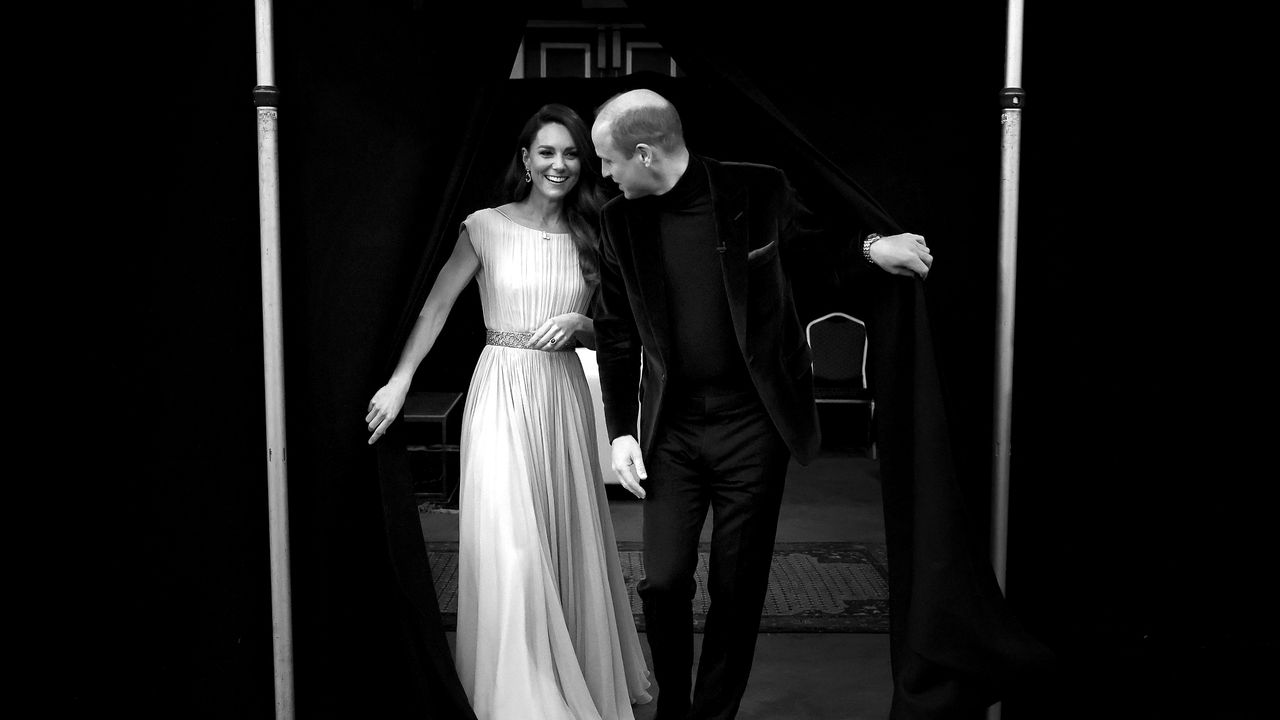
(517, 339)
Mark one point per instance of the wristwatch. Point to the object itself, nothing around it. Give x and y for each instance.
(866, 245)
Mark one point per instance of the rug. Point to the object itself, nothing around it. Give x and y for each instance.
(830, 587)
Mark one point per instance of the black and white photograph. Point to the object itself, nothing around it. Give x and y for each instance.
(656, 360)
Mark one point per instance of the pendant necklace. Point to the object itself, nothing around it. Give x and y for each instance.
(546, 234)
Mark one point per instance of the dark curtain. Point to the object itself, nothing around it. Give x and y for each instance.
(380, 107)
(470, 101)
(385, 106)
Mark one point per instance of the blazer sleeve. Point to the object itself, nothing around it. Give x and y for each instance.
(830, 242)
(617, 344)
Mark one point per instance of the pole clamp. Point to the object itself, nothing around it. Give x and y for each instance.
(266, 96)
(1012, 98)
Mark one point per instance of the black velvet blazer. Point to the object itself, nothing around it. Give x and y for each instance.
(756, 215)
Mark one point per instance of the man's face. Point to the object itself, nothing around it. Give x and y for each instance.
(633, 178)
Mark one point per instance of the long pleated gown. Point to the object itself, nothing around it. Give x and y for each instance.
(544, 622)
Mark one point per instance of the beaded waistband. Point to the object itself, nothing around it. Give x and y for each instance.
(517, 339)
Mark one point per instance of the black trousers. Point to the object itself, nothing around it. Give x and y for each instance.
(723, 453)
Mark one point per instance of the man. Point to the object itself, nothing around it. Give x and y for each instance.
(692, 281)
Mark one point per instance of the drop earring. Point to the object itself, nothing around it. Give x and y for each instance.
(527, 176)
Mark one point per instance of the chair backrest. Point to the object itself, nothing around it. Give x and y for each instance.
(838, 345)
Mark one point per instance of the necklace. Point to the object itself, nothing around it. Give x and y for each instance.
(546, 234)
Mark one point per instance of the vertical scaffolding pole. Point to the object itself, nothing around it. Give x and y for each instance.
(266, 98)
(1012, 99)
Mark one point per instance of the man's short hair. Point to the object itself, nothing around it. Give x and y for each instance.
(652, 124)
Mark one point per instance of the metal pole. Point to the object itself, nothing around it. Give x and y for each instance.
(266, 98)
(1012, 99)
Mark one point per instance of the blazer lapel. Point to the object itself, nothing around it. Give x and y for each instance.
(646, 252)
(729, 204)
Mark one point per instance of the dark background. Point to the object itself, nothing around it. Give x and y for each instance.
(1139, 512)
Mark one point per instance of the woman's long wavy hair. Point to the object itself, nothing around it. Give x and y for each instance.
(582, 205)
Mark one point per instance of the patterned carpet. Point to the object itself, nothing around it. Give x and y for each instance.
(813, 587)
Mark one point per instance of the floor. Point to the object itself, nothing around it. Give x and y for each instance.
(817, 676)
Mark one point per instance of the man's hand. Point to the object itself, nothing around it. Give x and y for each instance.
(628, 464)
(903, 254)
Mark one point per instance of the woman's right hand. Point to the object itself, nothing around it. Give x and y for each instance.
(384, 408)
(557, 332)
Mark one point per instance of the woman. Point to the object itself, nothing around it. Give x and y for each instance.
(544, 621)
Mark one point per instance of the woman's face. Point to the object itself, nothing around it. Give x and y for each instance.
(553, 161)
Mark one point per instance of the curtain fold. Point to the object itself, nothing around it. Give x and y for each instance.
(383, 106)
(430, 660)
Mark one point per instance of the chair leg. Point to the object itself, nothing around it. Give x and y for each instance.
(871, 431)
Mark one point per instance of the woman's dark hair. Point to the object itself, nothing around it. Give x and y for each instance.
(582, 205)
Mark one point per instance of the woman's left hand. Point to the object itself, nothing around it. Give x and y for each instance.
(556, 332)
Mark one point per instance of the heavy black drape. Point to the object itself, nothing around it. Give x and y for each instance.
(379, 106)
(389, 105)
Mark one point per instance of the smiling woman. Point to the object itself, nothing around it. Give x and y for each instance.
(553, 185)
(538, 566)
(554, 165)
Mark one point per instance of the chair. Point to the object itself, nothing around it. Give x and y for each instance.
(838, 346)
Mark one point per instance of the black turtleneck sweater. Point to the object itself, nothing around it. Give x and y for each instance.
(707, 359)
